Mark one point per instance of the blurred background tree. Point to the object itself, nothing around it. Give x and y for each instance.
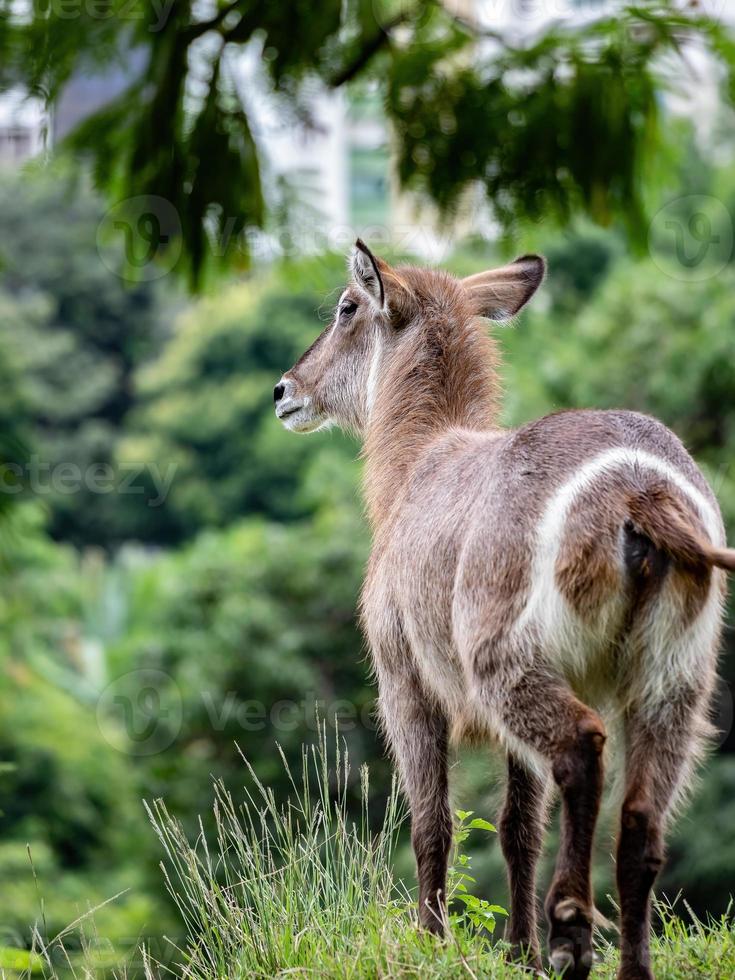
(146, 629)
(75, 335)
(548, 121)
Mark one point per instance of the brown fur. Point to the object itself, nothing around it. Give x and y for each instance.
(521, 584)
(442, 354)
(586, 569)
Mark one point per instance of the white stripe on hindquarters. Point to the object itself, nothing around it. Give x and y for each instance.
(546, 610)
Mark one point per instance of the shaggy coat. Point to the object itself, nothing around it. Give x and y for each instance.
(532, 586)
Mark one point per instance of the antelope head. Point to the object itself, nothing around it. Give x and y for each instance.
(381, 310)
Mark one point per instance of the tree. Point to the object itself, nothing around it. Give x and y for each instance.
(556, 122)
(72, 333)
(67, 796)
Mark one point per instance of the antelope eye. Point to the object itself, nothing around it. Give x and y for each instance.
(347, 309)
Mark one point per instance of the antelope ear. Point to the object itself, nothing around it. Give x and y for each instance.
(501, 293)
(365, 271)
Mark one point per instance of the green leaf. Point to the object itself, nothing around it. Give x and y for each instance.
(462, 876)
(479, 824)
(469, 900)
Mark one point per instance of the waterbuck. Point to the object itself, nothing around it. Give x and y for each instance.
(523, 586)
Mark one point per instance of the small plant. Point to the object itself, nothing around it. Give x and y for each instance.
(477, 911)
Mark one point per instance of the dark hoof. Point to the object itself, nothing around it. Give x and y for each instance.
(570, 939)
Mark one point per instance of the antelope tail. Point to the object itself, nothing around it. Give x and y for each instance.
(656, 514)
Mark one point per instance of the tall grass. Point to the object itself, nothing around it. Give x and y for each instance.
(281, 885)
(299, 889)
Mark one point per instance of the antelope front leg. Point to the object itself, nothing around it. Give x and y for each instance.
(417, 734)
(521, 832)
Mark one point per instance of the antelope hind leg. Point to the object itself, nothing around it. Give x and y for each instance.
(538, 711)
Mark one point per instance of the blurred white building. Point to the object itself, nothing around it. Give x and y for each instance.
(23, 127)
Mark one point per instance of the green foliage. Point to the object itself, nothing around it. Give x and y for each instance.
(68, 800)
(477, 911)
(19, 960)
(72, 333)
(543, 141)
(578, 262)
(566, 121)
(698, 849)
(246, 641)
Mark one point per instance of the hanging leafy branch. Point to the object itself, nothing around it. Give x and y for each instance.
(564, 120)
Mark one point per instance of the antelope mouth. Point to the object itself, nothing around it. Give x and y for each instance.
(299, 416)
(284, 413)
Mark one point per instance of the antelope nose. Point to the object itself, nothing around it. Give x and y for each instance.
(284, 392)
